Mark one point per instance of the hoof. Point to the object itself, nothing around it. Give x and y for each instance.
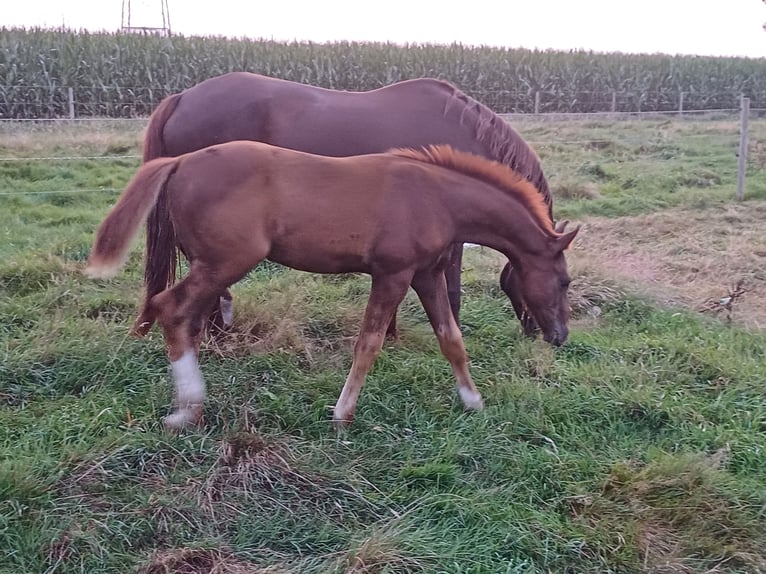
(342, 422)
(184, 418)
(471, 399)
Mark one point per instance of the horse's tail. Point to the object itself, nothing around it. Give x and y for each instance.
(154, 144)
(119, 228)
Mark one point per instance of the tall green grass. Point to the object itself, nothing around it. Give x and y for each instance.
(122, 75)
(637, 447)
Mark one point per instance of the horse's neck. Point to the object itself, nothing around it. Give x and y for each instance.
(497, 219)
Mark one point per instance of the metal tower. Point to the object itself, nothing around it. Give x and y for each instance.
(127, 23)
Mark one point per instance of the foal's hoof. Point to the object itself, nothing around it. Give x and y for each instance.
(183, 418)
(339, 426)
(471, 399)
(341, 422)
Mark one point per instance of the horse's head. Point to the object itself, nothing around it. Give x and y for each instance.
(544, 283)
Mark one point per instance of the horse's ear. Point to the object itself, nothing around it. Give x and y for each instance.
(561, 225)
(565, 241)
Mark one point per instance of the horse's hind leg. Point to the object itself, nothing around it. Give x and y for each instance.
(391, 331)
(452, 273)
(431, 287)
(222, 316)
(385, 296)
(181, 313)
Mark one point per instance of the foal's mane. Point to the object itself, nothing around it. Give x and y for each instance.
(491, 172)
(505, 144)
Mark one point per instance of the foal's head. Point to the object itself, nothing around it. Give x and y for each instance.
(544, 283)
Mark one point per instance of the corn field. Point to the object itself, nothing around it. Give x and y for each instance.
(126, 75)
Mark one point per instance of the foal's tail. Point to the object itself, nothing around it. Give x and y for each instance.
(161, 251)
(119, 228)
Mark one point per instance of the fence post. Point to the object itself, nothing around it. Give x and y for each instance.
(742, 157)
(614, 102)
(70, 97)
(537, 102)
(680, 103)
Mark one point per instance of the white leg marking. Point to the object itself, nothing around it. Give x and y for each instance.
(471, 399)
(227, 312)
(190, 391)
(340, 412)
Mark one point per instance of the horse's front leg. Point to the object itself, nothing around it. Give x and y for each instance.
(431, 287)
(386, 294)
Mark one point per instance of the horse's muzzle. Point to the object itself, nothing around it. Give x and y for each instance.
(557, 337)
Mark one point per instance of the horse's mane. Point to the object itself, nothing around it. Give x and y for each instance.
(491, 172)
(504, 143)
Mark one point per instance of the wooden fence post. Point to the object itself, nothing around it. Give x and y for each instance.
(742, 158)
(614, 102)
(70, 97)
(680, 103)
(537, 102)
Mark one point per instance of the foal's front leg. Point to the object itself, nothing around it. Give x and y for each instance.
(431, 287)
(385, 296)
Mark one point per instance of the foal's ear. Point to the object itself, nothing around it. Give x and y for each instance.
(565, 241)
(561, 225)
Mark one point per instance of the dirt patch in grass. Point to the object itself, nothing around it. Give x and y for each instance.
(691, 257)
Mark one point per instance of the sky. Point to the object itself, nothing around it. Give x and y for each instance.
(703, 27)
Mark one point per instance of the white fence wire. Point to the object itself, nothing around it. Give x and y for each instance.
(716, 114)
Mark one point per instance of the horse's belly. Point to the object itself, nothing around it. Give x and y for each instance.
(321, 257)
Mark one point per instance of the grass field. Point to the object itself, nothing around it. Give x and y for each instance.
(637, 447)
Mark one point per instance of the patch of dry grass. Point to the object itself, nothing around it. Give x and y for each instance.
(571, 188)
(204, 561)
(72, 139)
(675, 508)
(682, 256)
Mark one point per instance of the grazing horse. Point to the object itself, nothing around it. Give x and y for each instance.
(412, 113)
(390, 215)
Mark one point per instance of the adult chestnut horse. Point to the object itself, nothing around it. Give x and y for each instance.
(413, 113)
(391, 215)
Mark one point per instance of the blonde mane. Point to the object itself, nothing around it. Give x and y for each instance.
(491, 172)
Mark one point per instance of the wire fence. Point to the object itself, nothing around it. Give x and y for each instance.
(33, 102)
(737, 136)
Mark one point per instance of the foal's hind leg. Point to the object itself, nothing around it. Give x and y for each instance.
(181, 313)
(385, 296)
(431, 287)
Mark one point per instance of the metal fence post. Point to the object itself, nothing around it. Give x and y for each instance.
(742, 158)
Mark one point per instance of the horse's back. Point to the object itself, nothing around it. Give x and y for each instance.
(246, 106)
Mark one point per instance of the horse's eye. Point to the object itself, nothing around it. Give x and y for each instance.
(565, 283)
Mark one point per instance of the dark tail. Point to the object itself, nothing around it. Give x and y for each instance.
(154, 145)
(161, 249)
